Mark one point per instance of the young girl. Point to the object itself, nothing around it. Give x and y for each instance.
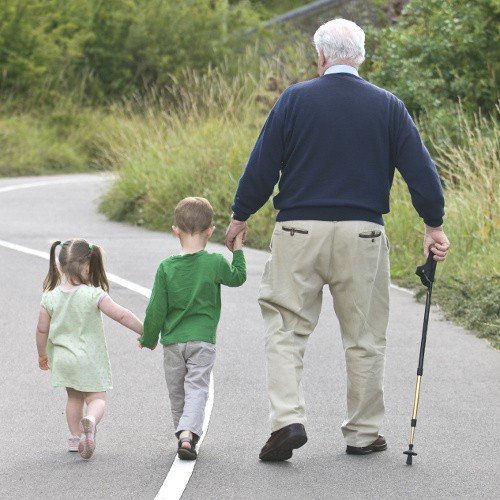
(70, 336)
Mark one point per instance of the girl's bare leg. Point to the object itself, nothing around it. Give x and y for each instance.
(74, 410)
(96, 403)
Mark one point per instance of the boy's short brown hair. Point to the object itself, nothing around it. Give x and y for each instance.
(193, 215)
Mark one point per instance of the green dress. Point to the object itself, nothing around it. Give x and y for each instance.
(76, 347)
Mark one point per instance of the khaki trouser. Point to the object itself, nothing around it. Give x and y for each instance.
(354, 263)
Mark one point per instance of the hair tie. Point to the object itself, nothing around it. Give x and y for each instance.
(91, 246)
(61, 244)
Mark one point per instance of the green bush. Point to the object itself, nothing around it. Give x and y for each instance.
(468, 282)
(439, 52)
(52, 140)
(29, 148)
(103, 50)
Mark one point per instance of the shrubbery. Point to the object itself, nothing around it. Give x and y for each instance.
(97, 50)
(440, 52)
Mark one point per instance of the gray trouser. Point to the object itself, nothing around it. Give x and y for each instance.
(352, 258)
(187, 371)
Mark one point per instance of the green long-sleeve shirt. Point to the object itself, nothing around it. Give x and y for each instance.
(185, 302)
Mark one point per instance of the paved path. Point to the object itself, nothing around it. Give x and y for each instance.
(458, 430)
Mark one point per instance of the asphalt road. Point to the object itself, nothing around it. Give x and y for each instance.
(458, 431)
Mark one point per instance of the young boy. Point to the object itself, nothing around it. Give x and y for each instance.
(185, 307)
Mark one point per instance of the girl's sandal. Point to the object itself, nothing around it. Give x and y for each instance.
(186, 453)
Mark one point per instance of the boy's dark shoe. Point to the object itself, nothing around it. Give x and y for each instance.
(281, 443)
(378, 445)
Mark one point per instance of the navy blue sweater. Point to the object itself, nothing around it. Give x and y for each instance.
(333, 144)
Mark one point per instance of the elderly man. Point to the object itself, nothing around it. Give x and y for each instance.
(333, 144)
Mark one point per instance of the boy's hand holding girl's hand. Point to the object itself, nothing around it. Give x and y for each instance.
(43, 362)
(153, 347)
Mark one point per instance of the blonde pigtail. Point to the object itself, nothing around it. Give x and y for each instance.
(97, 274)
(53, 277)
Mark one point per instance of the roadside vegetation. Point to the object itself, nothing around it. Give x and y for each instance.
(172, 121)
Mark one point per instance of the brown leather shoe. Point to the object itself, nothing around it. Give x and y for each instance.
(378, 445)
(281, 443)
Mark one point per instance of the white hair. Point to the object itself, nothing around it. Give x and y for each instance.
(342, 42)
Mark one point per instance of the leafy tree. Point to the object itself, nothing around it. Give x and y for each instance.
(103, 49)
(276, 6)
(48, 46)
(170, 36)
(19, 58)
(106, 57)
(440, 51)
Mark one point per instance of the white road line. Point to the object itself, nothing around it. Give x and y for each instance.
(405, 290)
(30, 251)
(180, 472)
(128, 284)
(26, 185)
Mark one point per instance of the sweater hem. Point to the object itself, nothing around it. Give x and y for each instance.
(329, 214)
(166, 342)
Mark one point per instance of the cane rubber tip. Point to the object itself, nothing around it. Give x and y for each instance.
(409, 455)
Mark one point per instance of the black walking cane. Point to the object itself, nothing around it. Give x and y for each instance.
(426, 274)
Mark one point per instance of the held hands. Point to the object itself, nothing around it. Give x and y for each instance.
(235, 235)
(152, 348)
(43, 362)
(239, 240)
(436, 241)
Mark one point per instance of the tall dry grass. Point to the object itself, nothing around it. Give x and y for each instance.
(199, 146)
